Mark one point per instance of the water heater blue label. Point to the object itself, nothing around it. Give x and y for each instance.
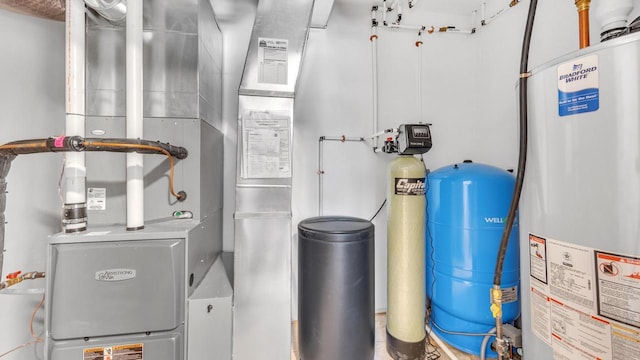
(578, 88)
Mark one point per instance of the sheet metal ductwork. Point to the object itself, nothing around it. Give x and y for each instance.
(47, 9)
(262, 315)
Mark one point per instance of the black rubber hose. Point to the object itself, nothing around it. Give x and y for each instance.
(522, 157)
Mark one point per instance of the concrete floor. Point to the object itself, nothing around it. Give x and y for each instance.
(380, 345)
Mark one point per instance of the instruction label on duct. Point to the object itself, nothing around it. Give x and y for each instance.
(116, 352)
(97, 199)
(273, 56)
(578, 86)
(266, 146)
(590, 307)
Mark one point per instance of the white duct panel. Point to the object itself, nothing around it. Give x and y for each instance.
(262, 299)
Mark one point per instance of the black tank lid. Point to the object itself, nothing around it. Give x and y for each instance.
(336, 229)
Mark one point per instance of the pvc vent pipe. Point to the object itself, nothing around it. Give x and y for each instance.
(612, 16)
(75, 171)
(135, 162)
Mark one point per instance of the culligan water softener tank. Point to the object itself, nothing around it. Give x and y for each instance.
(467, 204)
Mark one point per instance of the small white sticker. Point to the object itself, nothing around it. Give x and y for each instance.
(97, 199)
(510, 295)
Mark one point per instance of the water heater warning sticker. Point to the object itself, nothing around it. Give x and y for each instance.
(578, 86)
(590, 306)
(117, 352)
(618, 286)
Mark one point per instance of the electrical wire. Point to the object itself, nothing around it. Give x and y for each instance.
(33, 316)
(36, 339)
(458, 332)
(433, 354)
(380, 209)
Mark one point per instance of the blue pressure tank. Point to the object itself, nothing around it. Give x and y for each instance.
(467, 206)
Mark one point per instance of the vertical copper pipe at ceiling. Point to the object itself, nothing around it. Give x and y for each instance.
(583, 18)
(47, 9)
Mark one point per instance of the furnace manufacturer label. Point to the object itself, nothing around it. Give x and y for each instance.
(578, 86)
(115, 274)
(410, 186)
(116, 352)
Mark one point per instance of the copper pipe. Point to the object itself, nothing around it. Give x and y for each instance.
(583, 16)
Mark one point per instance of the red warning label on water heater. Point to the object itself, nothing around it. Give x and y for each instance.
(410, 186)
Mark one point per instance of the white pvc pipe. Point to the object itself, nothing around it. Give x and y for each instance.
(75, 171)
(474, 18)
(385, 8)
(320, 178)
(483, 10)
(374, 71)
(406, 27)
(419, 44)
(135, 163)
(459, 31)
(612, 13)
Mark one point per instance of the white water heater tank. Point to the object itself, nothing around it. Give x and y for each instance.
(579, 228)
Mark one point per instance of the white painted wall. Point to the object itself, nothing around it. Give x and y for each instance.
(31, 106)
(468, 95)
(334, 98)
